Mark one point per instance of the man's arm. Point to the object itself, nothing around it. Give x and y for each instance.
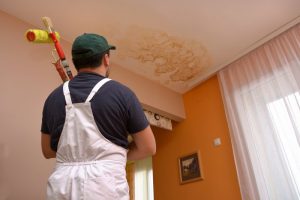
(46, 148)
(143, 145)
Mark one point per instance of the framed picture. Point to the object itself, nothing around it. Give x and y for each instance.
(190, 167)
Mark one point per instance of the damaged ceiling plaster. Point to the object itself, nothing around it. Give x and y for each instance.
(170, 60)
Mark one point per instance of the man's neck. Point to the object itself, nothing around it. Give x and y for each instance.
(97, 70)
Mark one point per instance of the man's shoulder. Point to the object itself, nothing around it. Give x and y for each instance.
(116, 91)
(119, 87)
(56, 93)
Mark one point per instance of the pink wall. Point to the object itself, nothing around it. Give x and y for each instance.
(26, 78)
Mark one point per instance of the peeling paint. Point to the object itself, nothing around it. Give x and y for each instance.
(176, 58)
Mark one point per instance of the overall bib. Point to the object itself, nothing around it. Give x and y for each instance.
(88, 166)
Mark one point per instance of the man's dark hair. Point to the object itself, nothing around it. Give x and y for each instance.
(93, 61)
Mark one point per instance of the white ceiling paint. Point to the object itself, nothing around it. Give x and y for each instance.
(176, 43)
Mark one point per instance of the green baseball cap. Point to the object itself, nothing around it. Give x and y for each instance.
(89, 44)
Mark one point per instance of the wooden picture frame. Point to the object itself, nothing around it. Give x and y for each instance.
(190, 167)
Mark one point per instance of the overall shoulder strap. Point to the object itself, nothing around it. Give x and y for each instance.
(96, 88)
(67, 93)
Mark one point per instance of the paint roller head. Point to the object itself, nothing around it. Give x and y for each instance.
(39, 36)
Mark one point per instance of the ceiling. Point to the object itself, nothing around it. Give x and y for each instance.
(176, 43)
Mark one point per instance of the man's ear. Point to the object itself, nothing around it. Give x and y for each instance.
(106, 60)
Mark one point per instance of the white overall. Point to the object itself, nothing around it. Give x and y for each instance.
(89, 166)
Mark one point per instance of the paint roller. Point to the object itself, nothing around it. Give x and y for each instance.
(51, 36)
(39, 36)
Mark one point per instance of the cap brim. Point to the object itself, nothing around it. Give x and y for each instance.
(112, 47)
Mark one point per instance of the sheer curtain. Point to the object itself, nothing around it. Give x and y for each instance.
(143, 180)
(261, 93)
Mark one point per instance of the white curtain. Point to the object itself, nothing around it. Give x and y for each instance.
(261, 93)
(143, 180)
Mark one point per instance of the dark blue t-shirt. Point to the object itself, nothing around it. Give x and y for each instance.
(115, 107)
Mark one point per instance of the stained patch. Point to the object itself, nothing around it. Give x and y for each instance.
(176, 59)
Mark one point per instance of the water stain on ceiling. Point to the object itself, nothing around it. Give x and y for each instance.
(171, 59)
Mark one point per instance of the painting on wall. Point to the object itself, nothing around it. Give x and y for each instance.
(190, 168)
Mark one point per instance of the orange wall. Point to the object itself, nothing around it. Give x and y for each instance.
(205, 121)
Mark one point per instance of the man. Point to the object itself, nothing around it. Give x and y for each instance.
(85, 125)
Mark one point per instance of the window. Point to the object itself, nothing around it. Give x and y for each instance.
(285, 115)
